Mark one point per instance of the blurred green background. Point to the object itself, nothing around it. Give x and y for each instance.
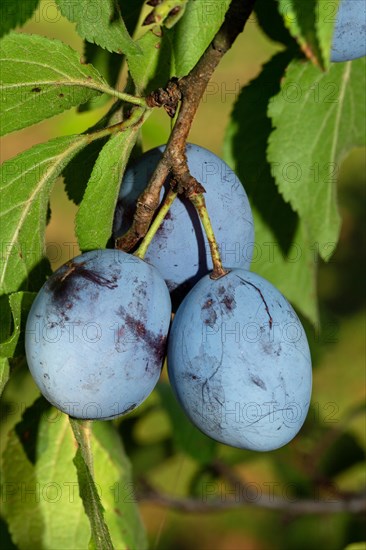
(326, 461)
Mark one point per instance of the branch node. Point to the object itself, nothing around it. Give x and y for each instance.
(167, 97)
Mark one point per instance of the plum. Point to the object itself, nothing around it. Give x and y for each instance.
(239, 362)
(96, 334)
(349, 38)
(180, 248)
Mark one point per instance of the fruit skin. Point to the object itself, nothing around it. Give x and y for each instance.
(96, 334)
(349, 38)
(239, 362)
(180, 248)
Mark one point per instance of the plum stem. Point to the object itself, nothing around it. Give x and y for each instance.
(168, 201)
(200, 204)
(191, 88)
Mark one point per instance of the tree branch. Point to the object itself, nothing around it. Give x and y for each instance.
(191, 88)
(356, 504)
(241, 495)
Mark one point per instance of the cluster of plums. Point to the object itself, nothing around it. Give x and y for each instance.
(238, 358)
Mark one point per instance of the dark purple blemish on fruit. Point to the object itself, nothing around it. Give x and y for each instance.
(209, 315)
(258, 382)
(229, 302)
(208, 303)
(155, 343)
(64, 285)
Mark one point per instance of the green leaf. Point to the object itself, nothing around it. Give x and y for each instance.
(325, 22)
(114, 479)
(174, 52)
(15, 13)
(93, 231)
(40, 482)
(301, 18)
(26, 182)
(60, 503)
(20, 304)
(4, 373)
(194, 32)
(154, 64)
(100, 22)
(109, 64)
(41, 78)
(282, 252)
(186, 436)
(88, 491)
(318, 118)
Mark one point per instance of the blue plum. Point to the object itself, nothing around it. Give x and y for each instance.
(180, 248)
(239, 362)
(96, 334)
(349, 38)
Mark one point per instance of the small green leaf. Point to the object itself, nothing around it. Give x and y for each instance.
(301, 18)
(325, 22)
(186, 436)
(100, 22)
(109, 64)
(4, 373)
(194, 32)
(88, 491)
(318, 118)
(282, 253)
(15, 13)
(20, 304)
(174, 52)
(41, 78)
(26, 182)
(154, 64)
(93, 229)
